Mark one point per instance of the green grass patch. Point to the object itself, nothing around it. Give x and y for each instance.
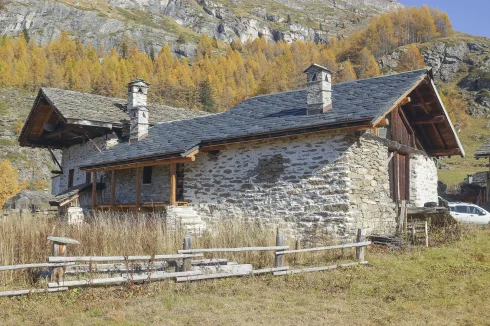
(471, 138)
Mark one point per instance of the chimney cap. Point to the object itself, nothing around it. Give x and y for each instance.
(139, 82)
(316, 67)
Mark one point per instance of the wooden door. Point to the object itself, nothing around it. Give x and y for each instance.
(399, 169)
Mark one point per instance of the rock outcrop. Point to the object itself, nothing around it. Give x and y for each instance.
(153, 23)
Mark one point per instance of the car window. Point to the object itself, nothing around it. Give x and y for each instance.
(475, 210)
(461, 209)
(451, 208)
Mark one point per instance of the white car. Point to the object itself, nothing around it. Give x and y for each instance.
(469, 213)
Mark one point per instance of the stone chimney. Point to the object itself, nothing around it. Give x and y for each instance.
(137, 108)
(319, 89)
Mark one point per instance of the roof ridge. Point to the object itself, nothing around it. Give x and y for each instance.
(383, 76)
(342, 83)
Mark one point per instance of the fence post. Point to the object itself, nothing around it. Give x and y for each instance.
(414, 236)
(186, 266)
(59, 248)
(360, 251)
(426, 229)
(279, 261)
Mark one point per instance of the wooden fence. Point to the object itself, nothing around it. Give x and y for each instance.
(182, 267)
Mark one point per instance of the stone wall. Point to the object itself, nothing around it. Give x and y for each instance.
(423, 180)
(371, 205)
(302, 180)
(157, 191)
(72, 157)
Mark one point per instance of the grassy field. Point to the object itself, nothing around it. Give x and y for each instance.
(471, 138)
(443, 285)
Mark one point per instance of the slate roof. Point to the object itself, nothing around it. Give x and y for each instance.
(83, 106)
(483, 150)
(361, 100)
(479, 179)
(70, 193)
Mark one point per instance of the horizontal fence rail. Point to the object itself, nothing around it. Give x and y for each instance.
(25, 292)
(244, 249)
(55, 259)
(123, 279)
(38, 265)
(342, 246)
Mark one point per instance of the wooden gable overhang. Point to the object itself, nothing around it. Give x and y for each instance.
(420, 120)
(47, 127)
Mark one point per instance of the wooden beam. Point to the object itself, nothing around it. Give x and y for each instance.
(142, 164)
(53, 157)
(445, 152)
(94, 190)
(138, 189)
(436, 119)
(404, 101)
(113, 188)
(382, 123)
(395, 146)
(173, 184)
(439, 135)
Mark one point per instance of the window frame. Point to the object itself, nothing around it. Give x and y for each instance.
(147, 175)
(71, 177)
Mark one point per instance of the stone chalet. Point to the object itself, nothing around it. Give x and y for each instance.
(334, 157)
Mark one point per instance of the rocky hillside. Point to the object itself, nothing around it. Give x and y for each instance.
(153, 23)
(34, 165)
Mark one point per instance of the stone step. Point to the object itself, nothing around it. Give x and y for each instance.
(191, 221)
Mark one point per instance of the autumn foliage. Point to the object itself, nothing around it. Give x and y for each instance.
(9, 182)
(221, 75)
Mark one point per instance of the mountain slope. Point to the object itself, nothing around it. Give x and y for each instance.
(153, 23)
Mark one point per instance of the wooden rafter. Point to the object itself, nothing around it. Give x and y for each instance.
(436, 119)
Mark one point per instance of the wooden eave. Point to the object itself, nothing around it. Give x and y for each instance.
(65, 131)
(138, 163)
(424, 114)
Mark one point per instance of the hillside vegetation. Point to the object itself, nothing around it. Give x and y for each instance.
(222, 75)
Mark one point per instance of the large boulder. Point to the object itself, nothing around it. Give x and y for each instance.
(27, 200)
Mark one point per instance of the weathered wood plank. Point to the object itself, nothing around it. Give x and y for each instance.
(27, 292)
(269, 270)
(173, 184)
(317, 269)
(229, 269)
(37, 265)
(120, 258)
(360, 251)
(342, 246)
(116, 268)
(279, 259)
(244, 249)
(123, 279)
(210, 276)
(209, 262)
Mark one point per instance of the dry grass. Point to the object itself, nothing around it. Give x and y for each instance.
(23, 239)
(447, 285)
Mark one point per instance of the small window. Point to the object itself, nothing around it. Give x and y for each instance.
(147, 171)
(475, 210)
(88, 177)
(71, 175)
(461, 209)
